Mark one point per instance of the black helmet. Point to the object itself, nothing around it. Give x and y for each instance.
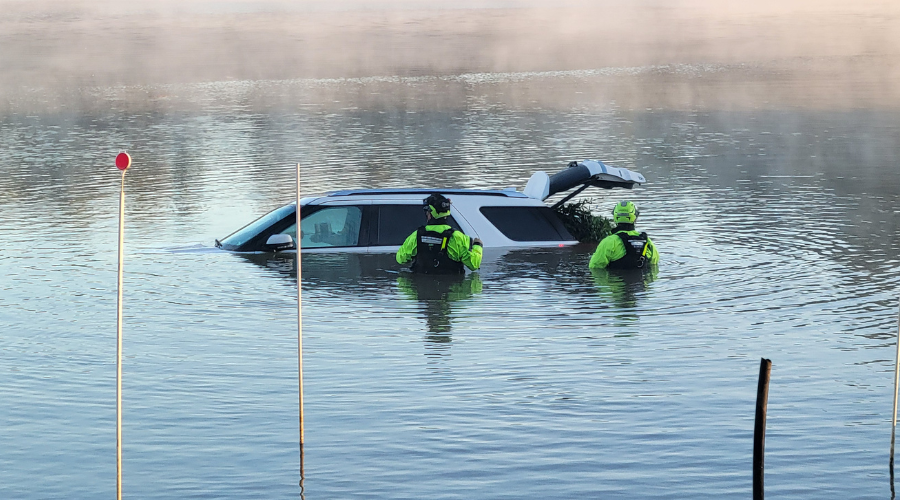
(437, 204)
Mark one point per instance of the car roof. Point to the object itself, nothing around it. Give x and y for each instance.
(460, 197)
(389, 191)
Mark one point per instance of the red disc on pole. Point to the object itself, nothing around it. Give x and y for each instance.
(123, 161)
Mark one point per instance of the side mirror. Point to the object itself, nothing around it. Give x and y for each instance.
(278, 242)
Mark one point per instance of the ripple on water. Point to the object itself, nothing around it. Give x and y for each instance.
(541, 379)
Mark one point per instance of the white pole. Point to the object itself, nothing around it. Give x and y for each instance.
(119, 341)
(299, 324)
(896, 384)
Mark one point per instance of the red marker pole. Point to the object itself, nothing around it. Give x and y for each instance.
(123, 161)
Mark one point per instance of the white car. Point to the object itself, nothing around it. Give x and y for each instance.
(379, 220)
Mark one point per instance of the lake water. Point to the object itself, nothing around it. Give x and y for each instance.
(776, 219)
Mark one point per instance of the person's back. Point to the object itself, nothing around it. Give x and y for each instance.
(626, 248)
(433, 242)
(437, 248)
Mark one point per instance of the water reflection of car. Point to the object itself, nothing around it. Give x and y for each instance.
(378, 220)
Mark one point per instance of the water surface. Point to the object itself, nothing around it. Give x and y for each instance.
(533, 377)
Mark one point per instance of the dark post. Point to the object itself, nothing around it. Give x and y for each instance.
(894, 419)
(759, 429)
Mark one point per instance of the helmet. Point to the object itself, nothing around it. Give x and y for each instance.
(437, 205)
(625, 213)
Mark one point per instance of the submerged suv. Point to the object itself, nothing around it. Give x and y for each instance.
(379, 220)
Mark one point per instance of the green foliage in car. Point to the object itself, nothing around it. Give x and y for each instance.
(582, 223)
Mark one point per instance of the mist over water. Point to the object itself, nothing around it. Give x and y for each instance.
(804, 51)
(769, 137)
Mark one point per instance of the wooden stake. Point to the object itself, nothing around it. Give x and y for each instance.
(299, 326)
(894, 418)
(759, 429)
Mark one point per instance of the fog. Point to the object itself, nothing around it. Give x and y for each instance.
(56, 46)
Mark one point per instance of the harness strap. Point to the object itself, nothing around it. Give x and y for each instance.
(432, 252)
(633, 257)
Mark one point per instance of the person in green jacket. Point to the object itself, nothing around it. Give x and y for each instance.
(625, 248)
(437, 248)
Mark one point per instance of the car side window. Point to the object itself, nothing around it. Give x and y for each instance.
(397, 222)
(527, 223)
(329, 227)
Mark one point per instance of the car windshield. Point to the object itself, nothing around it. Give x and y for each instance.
(244, 234)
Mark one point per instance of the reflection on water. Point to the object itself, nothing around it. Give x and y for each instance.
(624, 287)
(437, 294)
(439, 297)
(779, 229)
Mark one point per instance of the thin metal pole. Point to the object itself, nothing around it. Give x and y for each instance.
(119, 341)
(299, 326)
(759, 429)
(896, 384)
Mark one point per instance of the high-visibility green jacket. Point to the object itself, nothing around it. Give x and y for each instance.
(611, 248)
(459, 247)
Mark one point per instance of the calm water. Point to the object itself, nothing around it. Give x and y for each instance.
(532, 378)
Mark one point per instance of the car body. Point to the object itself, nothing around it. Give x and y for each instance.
(379, 220)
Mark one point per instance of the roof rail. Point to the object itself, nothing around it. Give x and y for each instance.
(479, 192)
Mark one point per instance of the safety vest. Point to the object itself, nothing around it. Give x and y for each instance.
(635, 251)
(431, 253)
